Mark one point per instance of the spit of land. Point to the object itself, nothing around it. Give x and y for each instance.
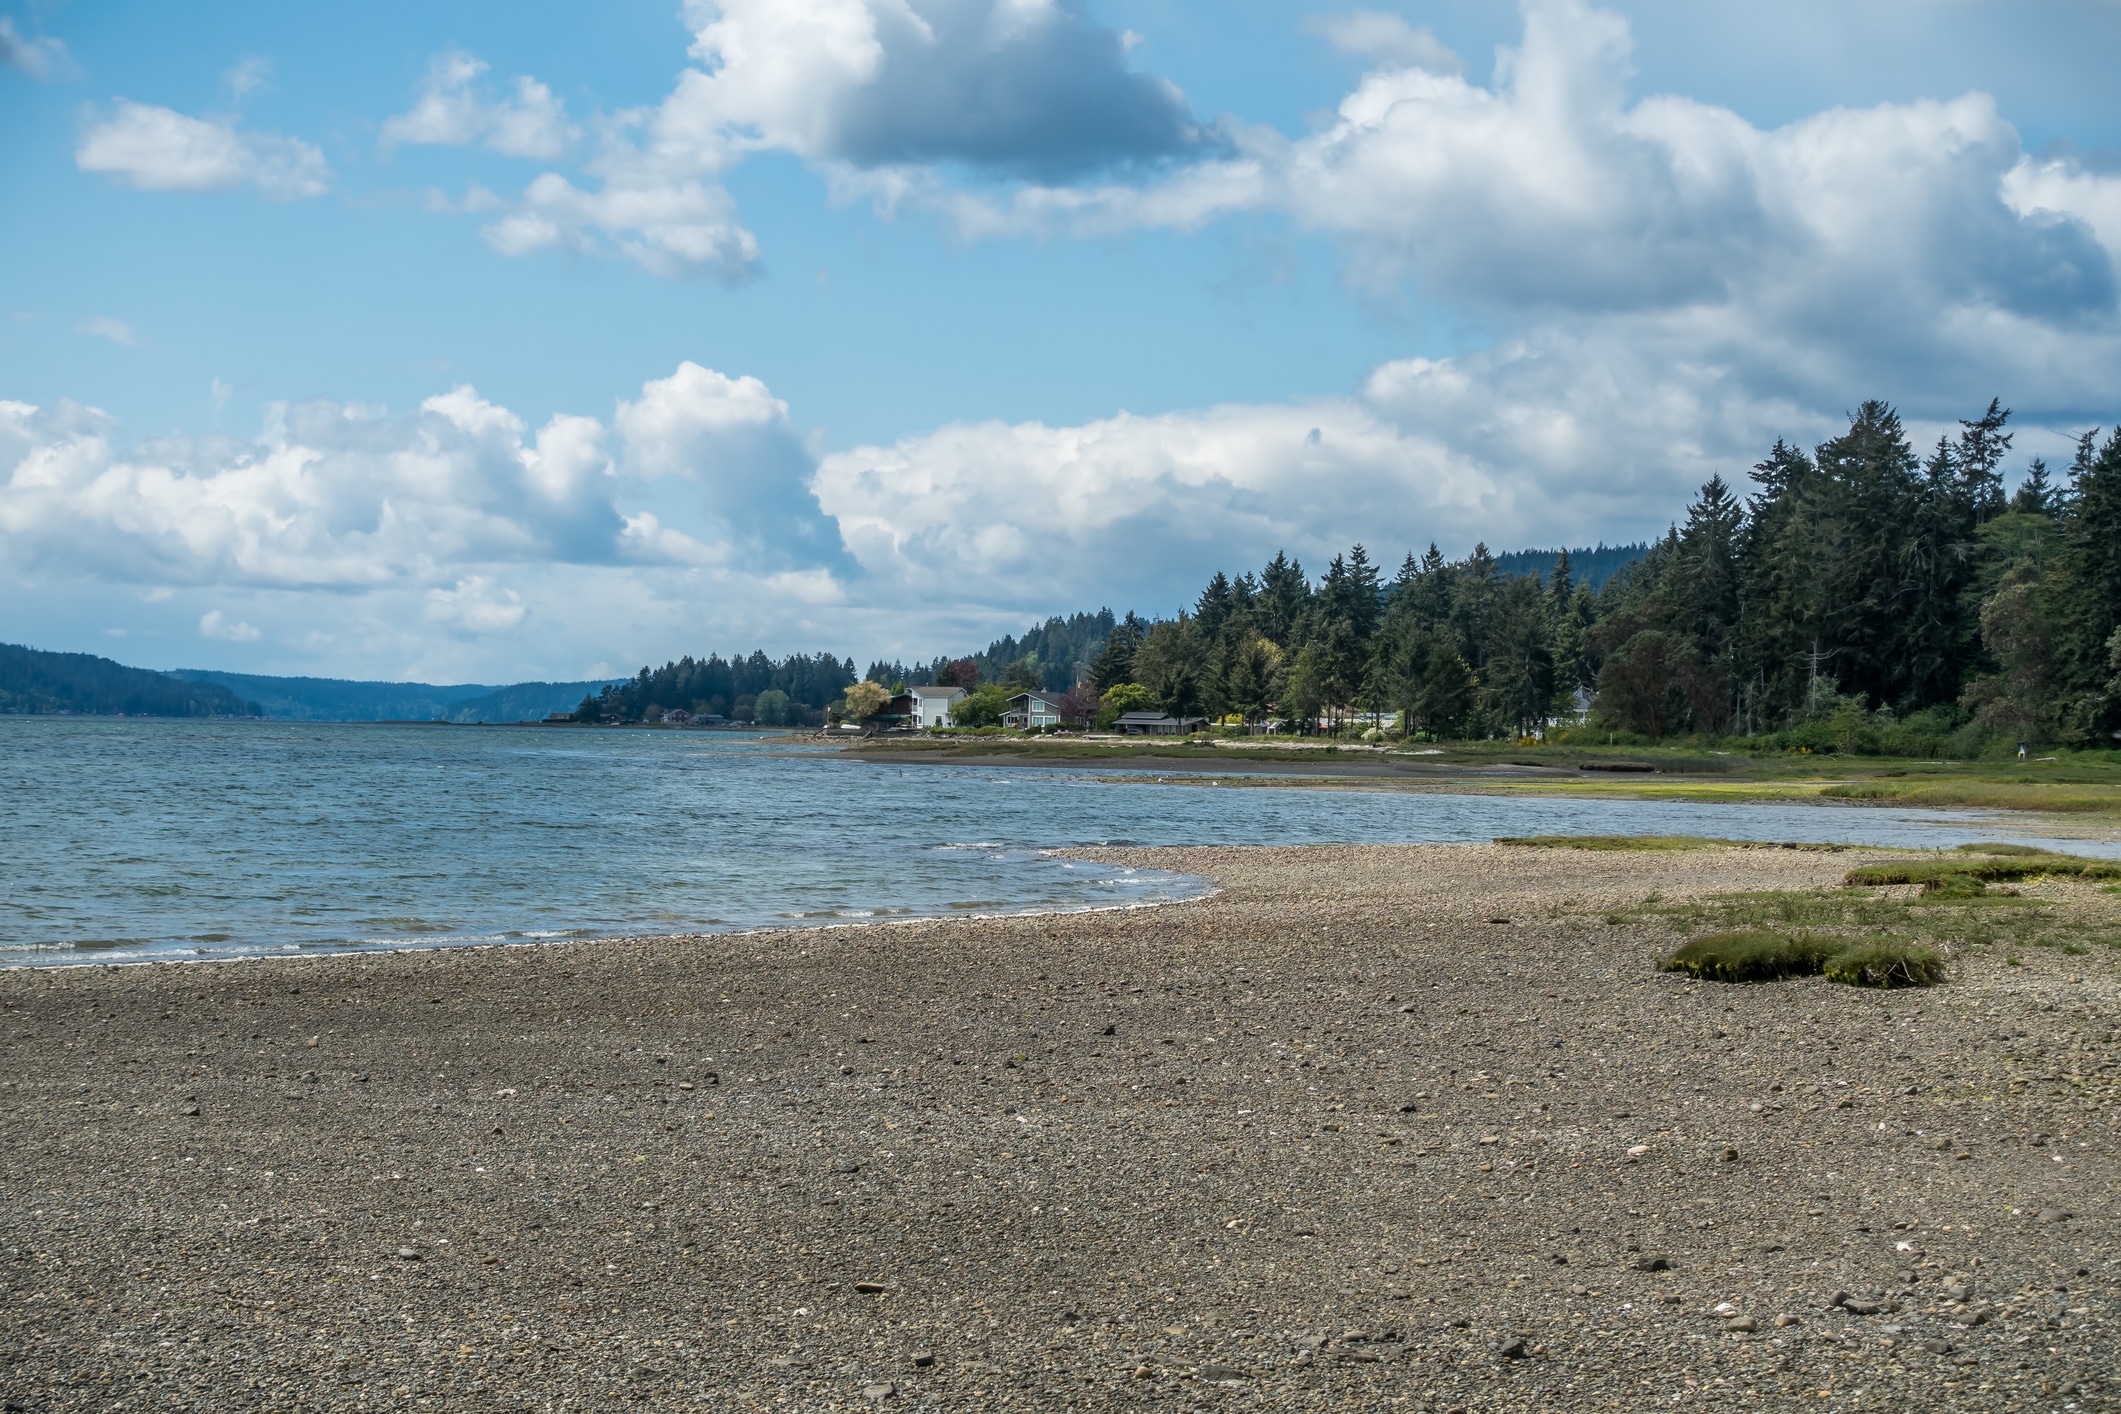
(1412, 1127)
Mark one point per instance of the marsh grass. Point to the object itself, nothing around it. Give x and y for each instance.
(1751, 955)
(1651, 843)
(1961, 915)
(1966, 871)
(1886, 964)
(2059, 797)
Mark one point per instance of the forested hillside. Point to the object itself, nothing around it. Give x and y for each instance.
(303, 699)
(791, 692)
(1862, 597)
(32, 681)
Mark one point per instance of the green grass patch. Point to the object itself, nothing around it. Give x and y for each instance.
(1886, 964)
(1761, 955)
(1960, 870)
(1652, 843)
(2058, 797)
(1750, 955)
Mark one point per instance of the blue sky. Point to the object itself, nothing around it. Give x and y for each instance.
(493, 341)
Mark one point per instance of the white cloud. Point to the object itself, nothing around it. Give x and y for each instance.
(1388, 39)
(333, 497)
(158, 149)
(1013, 88)
(454, 110)
(117, 331)
(213, 624)
(40, 58)
(475, 605)
(2065, 189)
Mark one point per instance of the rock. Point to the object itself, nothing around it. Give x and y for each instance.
(1512, 1349)
(871, 1288)
(309, 1077)
(191, 1110)
(2053, 1215)
(1862, 1308)
(1221, 1374)
(1786, 1320)
(1727, 1155)
(1937, 1347)
(1836, 1299)
(1971, 1315)
(848, 1166)
(408, 1254)
(879, 1391)
(921, 1359)
(1741, 1323)
(1109, 1031)
(844, 1070)
(1654, 1264)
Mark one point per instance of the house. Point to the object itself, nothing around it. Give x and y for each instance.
(898, 714)
(1157, 724)
(931, 706)
(677, 717)
(1032, 709)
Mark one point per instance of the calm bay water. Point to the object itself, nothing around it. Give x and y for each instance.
(137, 840)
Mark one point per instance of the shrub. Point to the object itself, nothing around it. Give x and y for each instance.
(1886, 965)
(1750, 956)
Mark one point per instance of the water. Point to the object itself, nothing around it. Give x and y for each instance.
(137, 840)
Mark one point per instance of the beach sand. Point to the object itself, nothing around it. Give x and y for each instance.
(1389, 1127)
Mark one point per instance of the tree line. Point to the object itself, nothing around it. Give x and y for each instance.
(1862, 597)
(34, 681)
(790, 692)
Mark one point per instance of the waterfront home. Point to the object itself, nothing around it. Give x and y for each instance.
(1032, 709)
(931, 706)
(1156, 724)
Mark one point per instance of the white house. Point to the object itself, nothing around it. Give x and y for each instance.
(931, 706)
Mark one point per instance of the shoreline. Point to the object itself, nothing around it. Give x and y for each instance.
(1367, 1124)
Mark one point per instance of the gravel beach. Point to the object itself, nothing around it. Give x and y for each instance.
(1370, 1127)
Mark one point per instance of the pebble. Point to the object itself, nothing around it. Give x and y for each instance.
(1087, 1204)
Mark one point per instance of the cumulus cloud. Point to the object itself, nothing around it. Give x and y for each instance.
(475, 605)
(1524, 444)
(334, 497)
(999, 88)
(732, 440)
(39, 58)
(455, 110)
(1021, 87)
(159, 149)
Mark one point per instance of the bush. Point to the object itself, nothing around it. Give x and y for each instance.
(1886, 965)
(1750, 956)
(981, 707)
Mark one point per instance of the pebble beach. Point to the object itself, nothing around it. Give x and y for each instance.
(1397, 1127)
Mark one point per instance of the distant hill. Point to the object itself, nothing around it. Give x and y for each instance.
(33, 681)
(1588, 566)
(340, 700)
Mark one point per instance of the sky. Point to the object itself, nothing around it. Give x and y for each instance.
(501, 341)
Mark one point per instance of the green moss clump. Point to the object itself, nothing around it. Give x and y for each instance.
(1886, 965)
(1757, 955)
(1751, 955)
